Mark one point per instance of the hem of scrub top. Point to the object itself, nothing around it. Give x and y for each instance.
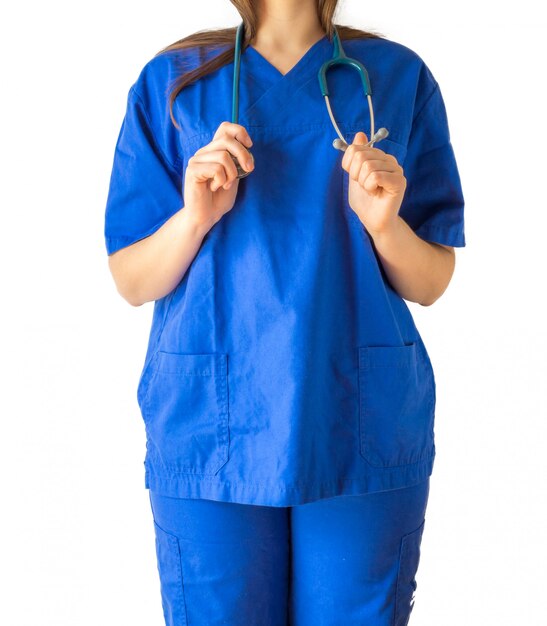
(211, 488)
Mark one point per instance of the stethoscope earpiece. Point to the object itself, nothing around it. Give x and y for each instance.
(241, 173)
(382, 133)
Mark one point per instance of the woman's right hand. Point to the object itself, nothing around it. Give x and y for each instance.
(211, 183)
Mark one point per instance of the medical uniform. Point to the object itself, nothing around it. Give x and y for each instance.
(284, 368)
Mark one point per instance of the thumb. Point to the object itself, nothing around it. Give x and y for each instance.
(360, 138)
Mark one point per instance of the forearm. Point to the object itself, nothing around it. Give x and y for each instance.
(418, 270)
(151, 268)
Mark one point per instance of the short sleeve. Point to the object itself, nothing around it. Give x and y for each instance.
(145, 186)
(433, 204)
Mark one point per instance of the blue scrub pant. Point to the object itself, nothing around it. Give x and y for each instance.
(337, 561)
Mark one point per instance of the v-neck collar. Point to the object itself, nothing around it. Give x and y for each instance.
(261, 66)
(272, 103)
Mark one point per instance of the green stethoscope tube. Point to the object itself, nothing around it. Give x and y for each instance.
(339, 57)
(241, 173)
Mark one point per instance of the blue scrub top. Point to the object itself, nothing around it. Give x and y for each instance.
(284, 368)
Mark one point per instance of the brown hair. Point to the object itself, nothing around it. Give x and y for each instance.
(226, 36)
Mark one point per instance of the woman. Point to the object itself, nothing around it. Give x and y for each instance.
(287, 395)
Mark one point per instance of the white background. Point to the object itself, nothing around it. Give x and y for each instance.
(77, 543)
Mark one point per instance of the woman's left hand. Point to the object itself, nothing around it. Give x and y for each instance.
(376, 185)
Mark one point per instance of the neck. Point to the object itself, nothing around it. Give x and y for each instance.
(288, 25)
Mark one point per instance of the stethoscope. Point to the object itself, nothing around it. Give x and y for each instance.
(338, 57)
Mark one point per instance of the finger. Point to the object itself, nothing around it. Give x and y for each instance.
(389, 181)
(354, 149)
(221, 157)
(360, 137)
(234, 147)
(360, 165)
(202, 171)
(234, 130)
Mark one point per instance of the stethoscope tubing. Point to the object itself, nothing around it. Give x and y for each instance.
(339, 57)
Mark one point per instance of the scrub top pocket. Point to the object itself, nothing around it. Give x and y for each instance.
(396, 405)
(184, 404)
